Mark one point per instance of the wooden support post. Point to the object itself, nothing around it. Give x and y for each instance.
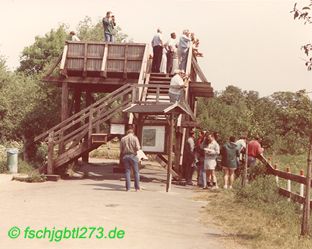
(276, 177)
(90, 127)
(301, 188)
(245, 166)
(288, 182)
(50, 168)
(64, 111)
(125, 75)
(77, 101)
(306, 208)
(84, 73)
(169, 175)
(177, 151)
(89, 100)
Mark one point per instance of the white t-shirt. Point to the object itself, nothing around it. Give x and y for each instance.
(172, 44)
(75, 38)
(176, 81)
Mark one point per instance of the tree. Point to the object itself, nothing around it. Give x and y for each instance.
(305, 15)
(87, 31)
(36, 56)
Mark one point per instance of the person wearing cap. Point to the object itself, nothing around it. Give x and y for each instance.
(176, 91)
(157, 44)
(129, 146)
(109, 25)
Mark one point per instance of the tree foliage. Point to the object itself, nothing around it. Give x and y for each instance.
(283, 120)
(304, 14)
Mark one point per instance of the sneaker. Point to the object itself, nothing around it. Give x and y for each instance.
(230, 187)
(225, 186)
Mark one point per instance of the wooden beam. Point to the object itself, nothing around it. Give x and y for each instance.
(85, 60)
(169, 175)
(125, 76)
(50, 168)
(164, 163)
(62, 66)
(104, 62)
(64, 112)
(89, 99)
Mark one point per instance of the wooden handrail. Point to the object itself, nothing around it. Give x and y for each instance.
(285, 175)
(82, 112)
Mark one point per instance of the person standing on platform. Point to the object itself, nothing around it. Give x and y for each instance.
(74, 37)
(129, 146)
(172, 55)
(157, 44)
(109, 26)
(183, 49)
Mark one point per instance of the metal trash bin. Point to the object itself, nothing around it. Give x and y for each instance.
(12, 160)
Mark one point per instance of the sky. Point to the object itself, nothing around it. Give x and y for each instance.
(252, 44)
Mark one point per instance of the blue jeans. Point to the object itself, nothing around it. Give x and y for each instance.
(251, 161)
(108, 37)
(200, 168)
(128, 162)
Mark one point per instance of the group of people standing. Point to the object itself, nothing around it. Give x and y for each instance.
(171, 55)
(202, 154)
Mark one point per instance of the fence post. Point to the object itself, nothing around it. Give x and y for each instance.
(301, 188)
(288, 182)
(306, 208)
(244, 178)
(276, 177)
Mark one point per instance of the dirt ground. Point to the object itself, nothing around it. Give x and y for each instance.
(150, 218)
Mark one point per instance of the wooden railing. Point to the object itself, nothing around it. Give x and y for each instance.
(73, 135)
(290, 177)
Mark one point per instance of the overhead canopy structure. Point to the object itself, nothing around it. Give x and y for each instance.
(161, 109)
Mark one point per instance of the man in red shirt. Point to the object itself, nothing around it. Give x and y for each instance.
(254, 149)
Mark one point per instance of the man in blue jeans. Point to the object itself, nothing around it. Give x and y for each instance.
(129, 145)
(109, 26)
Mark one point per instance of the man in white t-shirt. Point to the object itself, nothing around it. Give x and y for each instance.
(172, 47)
(74, 37)
(176, 91)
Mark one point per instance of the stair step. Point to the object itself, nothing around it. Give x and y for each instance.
(160, 75)
(97, 138)
(160, 78)
(159, 82)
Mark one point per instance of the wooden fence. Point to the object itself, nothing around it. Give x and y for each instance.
(289, 177)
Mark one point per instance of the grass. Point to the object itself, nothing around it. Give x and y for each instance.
(256, 216)
(108, 151)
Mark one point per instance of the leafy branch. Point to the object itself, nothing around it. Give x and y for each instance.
(304, 14)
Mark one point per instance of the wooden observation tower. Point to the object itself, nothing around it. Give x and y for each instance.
(129, 94)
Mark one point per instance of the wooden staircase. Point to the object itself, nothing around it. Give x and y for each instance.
(158, 79)
(81, 132)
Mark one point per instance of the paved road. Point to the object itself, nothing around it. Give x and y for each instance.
(150, 218)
